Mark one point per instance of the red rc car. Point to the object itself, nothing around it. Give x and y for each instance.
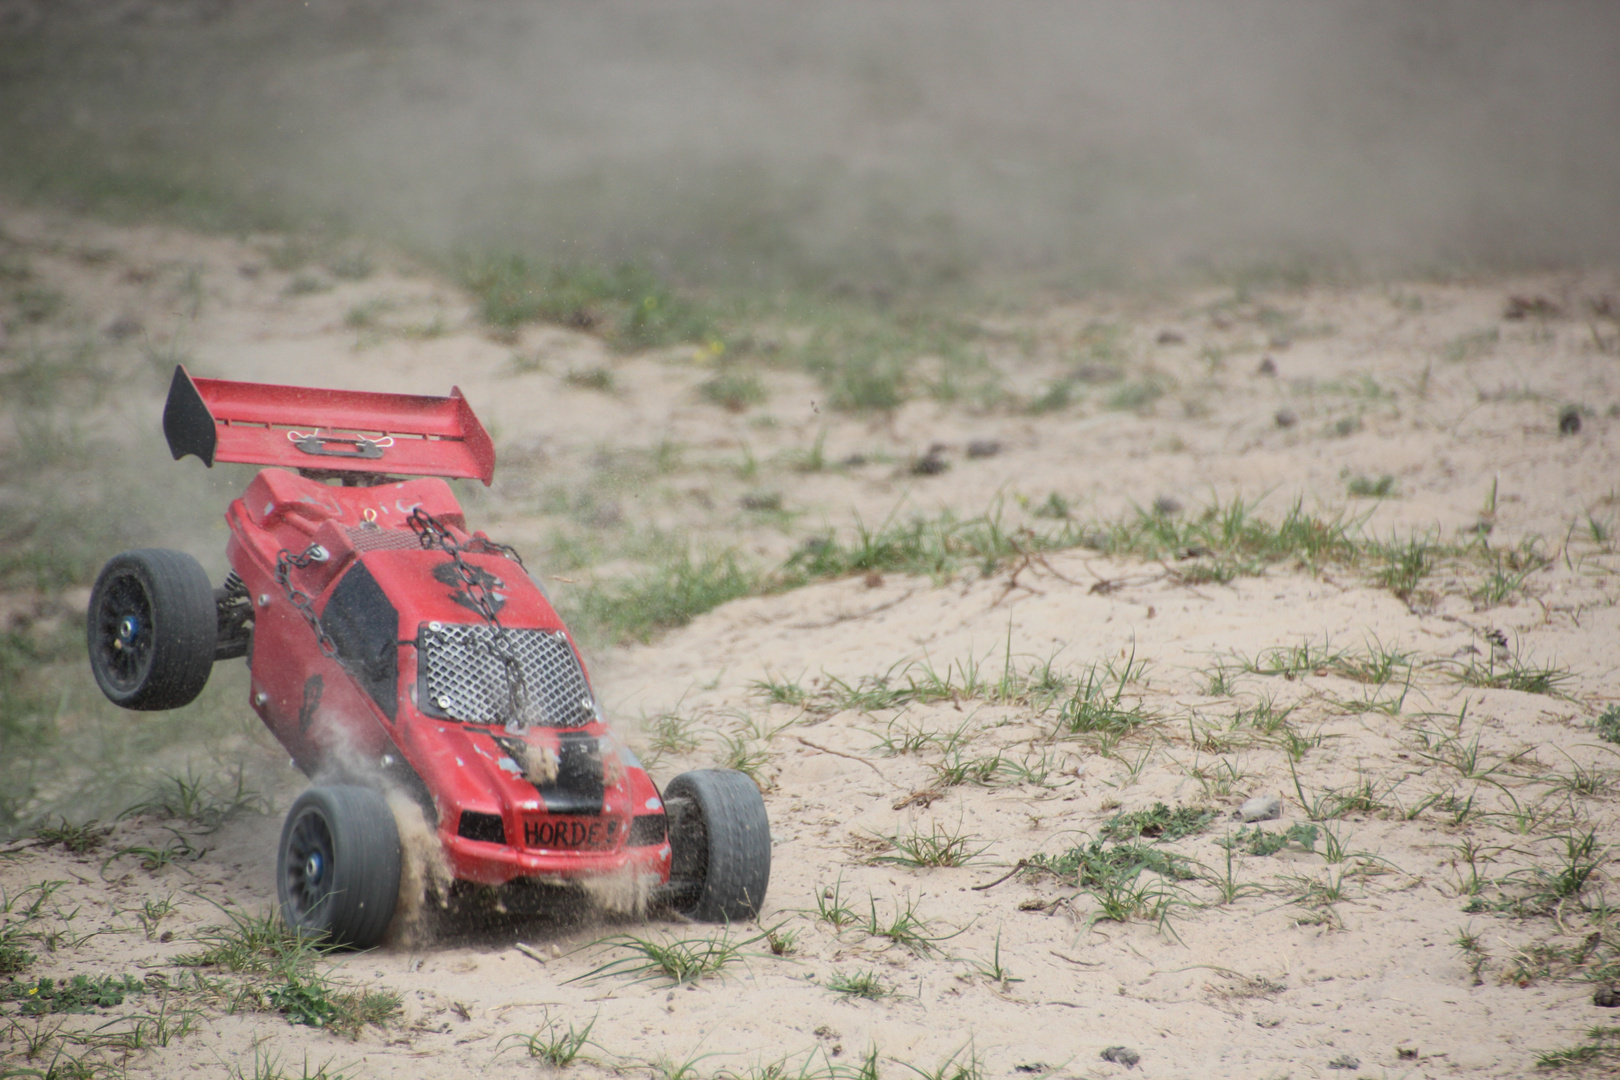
(392, 650)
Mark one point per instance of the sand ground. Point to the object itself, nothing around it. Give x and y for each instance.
(1436, 803)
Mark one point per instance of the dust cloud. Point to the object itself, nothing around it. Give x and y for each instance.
(851, 144)
(424, 884)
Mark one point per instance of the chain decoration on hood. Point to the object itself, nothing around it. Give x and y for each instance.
(478, 586)
(302, 602)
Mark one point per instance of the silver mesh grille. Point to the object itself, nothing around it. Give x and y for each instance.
(366, 538)
(464, 679)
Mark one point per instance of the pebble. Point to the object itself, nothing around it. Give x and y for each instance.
(932, 463)
(1522, 307)
(983, 448)
(1268, 367)
(125, 326)
(1607, 997)
(1121, 1055)
(1285, 418)
(1097, 373)
(762, 500)
(1569, 421)
(1261, 808)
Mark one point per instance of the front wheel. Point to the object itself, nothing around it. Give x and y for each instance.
(337, 873)
(720, 845)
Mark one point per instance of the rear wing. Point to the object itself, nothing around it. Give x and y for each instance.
(345, 431)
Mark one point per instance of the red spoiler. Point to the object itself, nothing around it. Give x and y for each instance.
(332, 430)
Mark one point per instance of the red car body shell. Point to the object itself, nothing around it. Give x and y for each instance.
(331, 720)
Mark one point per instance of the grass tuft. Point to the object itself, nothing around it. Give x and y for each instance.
(1513, 673)
(13, 957)
(78, 994)
(1607, 725)
(668, 596)
(1096, 705)
(1092, 863)
(831, 908)
(251, 944)
(994, 969)
(954, 1067)
(1472, 345)
(938, 548)
(1401, 565)
(937, 847)
(77, 838)
(628, 306)
(905, 927)
(670, 733)
(1229, 539)
(1601, 1049)
(193, 799)
(781, 692)
(599, 379)
(814, 1065)
(1573, 868)
(1113, 878)
(862, 984)
(680, 960)
(553, 1044)
(1366, 487)
(1225, 541)
(268, 1066)
(673, 592)
(1159, 823)
(733, 389)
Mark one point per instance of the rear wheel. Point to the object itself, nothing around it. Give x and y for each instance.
(337, 873)
(151, 629)
(720, 845)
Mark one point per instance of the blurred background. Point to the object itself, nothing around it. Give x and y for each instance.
(867, 146)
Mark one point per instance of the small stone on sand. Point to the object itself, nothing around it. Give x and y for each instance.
(125, 326)
(983, 448)
(1121, 1055)
(1261, 808)
(932, 463)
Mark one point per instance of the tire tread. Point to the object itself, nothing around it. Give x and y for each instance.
(185, 626)
(368, 861)
(739, 843)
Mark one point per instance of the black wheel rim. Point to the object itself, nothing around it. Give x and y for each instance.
(689, 847)
(309, 866)
(124, 632)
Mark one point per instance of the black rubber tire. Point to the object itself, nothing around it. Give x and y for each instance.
(720, 845)
(338, 867)
(151, 629)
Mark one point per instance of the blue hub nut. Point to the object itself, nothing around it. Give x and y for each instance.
(314, 866)
(129, 627)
